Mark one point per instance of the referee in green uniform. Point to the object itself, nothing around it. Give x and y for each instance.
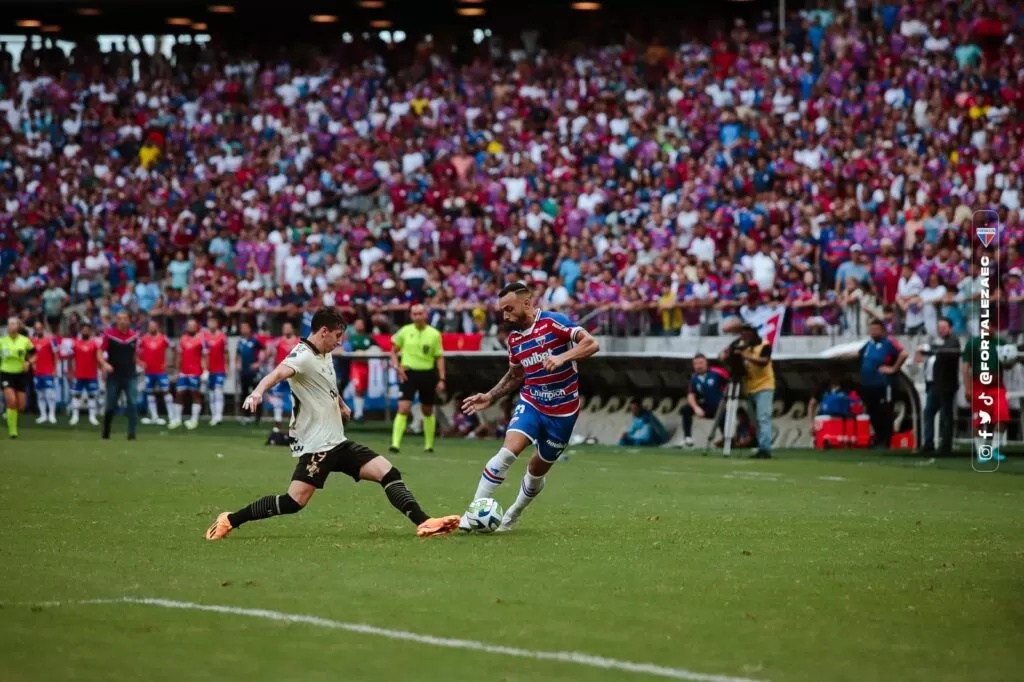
(420, 371)
(16, 353)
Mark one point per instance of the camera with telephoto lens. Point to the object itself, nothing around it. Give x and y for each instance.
(734, 362)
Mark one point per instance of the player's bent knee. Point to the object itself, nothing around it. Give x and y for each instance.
(516, 442)
(289, 505)
(300, 492)
(390, 477)
(376, 469)
(538, 466)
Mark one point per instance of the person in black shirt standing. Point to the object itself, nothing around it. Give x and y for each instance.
(944, 372)
(120, 345)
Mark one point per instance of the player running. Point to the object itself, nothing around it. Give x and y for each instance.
(991, 398)
(86, 356)
(217, 366)
(317, 425)
(16, 353)
(542, 350)
(46, 345)
(359, 343)
(153, 357)
(190, 372)
(281, 397)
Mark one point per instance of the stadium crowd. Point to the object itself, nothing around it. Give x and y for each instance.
(647, 189)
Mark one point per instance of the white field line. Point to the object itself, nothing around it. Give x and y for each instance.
(445, 642)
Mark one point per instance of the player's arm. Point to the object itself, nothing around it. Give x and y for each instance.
(901, 357)
(30, 359)
(396, 346)
(691, 399)
(584, 346)
(281, 373)
(507, 384)
(101, 356)
(761, 358)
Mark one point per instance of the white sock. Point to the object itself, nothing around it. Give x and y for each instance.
(218, 403)
(91, 402)
(1002, 439)
(41, 398)
(151, 401)
(197, 407)
(51, 400)
(528, 491)
(278, 414)
(360, 402)
(76, 405)
(169, 404)
(179, 410)
(494, 473)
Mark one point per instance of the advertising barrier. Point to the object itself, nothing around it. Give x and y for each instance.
(608, 381)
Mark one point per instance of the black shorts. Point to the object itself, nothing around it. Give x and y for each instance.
(346, 458)
(421, 381)
(17, 381)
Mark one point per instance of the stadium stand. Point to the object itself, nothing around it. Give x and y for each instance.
(648, 189)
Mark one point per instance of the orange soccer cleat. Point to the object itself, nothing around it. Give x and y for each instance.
(220, 528)
(441, 526)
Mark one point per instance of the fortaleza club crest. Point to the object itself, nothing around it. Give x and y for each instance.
(986, 235)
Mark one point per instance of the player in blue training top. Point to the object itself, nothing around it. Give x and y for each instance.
(707, 385)
(542, 349)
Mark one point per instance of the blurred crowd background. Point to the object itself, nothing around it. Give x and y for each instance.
(834, 162)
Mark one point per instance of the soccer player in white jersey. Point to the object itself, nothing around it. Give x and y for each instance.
(318, 430)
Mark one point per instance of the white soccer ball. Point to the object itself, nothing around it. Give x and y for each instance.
(484, 515)
(1007, 355)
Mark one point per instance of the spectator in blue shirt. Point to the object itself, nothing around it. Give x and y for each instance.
(146, 293)
(707, 386)
(881, 358)
(645, 429)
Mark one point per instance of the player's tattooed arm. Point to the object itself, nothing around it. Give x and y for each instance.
(508, 384)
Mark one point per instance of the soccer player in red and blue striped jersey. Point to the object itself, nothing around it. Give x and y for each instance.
(543, 349)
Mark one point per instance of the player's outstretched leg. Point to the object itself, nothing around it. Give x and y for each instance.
(533, 483)
(380, 470)
(272, 505)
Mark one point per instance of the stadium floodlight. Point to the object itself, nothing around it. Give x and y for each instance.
(28, 23)
(380, 23)
(221, 9)
(371, 4)
(50, 28)
(471, 11)
(179, 21)
(323, 18)
(586, 6)
(199, 26)
(87, 12)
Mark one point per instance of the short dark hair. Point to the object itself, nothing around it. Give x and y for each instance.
(517, 288)
(329, 317)
(700, 356)
(946, 320)
(877, 321)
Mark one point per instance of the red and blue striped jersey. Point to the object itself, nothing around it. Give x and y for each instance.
(555, 394)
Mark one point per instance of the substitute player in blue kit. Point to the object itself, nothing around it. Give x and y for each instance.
(543, 349)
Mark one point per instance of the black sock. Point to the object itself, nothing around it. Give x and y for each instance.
(108, 419)
(264, 508)
(687, 421)
(400, 497)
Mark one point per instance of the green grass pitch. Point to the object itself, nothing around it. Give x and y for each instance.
(810, 567)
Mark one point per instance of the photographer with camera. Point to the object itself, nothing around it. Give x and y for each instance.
(749, 358)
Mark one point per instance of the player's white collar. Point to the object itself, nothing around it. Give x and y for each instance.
(532, 325)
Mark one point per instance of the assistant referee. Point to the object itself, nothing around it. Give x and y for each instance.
(16, 353)
(421, 371)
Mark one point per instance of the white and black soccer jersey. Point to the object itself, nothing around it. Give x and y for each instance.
(316, 423)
